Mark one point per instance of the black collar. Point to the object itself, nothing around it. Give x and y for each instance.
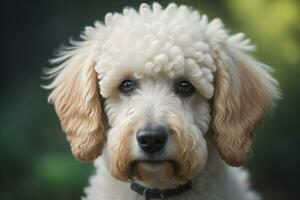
(159, 194)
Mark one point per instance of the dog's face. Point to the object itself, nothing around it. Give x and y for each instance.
(151, 87)
(157, 128)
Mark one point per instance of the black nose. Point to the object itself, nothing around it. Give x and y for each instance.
(152, 140)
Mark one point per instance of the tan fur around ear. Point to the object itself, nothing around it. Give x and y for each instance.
(244, 90)
(75, 96)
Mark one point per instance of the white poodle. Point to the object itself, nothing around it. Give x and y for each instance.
(165, 102)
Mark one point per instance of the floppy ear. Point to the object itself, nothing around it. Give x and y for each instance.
(244, 90)
(75, 95)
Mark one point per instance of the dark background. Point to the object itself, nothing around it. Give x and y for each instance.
(35, 158)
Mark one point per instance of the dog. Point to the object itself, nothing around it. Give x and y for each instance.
(165, 102)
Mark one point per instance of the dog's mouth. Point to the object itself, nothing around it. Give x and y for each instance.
(149, 169)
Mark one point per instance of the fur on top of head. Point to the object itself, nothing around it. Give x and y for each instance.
(154, 40)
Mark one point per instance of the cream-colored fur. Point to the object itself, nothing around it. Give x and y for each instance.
(210, 131)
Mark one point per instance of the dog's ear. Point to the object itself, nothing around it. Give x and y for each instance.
(244, 90)
(75, 95)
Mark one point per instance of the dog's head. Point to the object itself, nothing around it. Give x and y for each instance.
(148, 88)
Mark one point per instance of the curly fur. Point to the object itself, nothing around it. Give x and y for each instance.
(158, 47)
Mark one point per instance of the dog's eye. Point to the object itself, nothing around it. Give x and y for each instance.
(184, 88)
(128, 86)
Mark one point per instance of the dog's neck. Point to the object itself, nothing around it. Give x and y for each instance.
(217, 178)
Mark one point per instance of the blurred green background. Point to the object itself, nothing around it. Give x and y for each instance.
(36, 162)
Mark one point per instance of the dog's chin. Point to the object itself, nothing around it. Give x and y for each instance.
(154, 170)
